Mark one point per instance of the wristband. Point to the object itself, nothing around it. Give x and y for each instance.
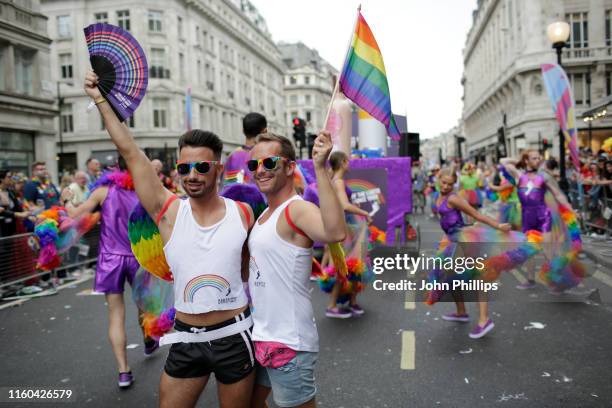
(99, 100)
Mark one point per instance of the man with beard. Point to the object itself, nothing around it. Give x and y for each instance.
(280, 246)
(203, 241)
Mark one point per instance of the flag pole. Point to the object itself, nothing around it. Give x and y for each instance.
(336, 86)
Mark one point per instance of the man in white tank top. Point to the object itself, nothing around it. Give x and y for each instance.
(203, 240)
(280, 246)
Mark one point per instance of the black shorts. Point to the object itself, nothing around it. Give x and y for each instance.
(230, 358)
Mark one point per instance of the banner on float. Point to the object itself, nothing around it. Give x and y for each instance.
(398, 186)
(369, 192)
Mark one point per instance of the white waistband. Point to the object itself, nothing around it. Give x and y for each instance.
(203, 336)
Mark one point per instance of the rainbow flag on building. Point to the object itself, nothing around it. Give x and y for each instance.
(364, 79)
(560, 94)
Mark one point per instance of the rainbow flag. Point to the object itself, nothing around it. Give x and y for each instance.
(560, 94)
(364, 79)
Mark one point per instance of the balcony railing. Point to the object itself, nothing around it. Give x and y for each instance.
(572, 54)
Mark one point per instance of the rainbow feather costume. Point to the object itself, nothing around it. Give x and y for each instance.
(352, 270)
(57, 232)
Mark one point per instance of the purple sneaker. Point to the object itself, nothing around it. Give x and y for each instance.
(356, 310)
(527, 285)
(125, 379)
(337, 313)
(456, 317)
(479, 331)
(150, 347)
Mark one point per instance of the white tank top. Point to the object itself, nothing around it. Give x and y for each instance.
(279, 283)
(206, 261)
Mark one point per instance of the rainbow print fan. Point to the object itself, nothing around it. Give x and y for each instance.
(121, 64)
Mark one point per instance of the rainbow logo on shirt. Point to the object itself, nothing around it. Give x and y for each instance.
(358, 185)
(202, 281)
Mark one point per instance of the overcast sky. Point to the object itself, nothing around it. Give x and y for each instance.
(421, 43)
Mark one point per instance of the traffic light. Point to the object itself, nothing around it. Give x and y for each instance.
(299, 131)
(546, 144)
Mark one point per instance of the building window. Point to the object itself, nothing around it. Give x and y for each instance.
(66, 118)
(2, 70)
(308, 99)
(24, 62)
(131, 122)
(199, 71)
(182, 67)
(155, 21)
(293, 80)
(157, 69)
(64, 29)
(197, 36)
(160, 113)
(293, 100)
(123, 19)
(65, 66)
(580, 85)
(179, 27)
(579, 33)
(608, 83)
(307, 80)
(308, 116)
(608, 29)
(101, 17)
(205, 39)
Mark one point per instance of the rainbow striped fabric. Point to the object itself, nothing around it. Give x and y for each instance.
(364, 79)
(560, 95)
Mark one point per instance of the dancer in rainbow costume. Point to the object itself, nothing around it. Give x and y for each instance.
(114, 194)
(469, 185)
(545, 209)
(451, 208)
(509, 203)
(344, 267)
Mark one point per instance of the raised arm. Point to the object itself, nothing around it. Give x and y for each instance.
(554, 190)
(510, 165)
(88, 206)
(327, 223)
(150, 191)
(459, 203)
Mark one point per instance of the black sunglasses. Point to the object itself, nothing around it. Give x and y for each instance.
(201, 167)
(269, 163)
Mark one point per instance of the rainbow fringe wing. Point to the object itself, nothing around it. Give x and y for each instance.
(147, 245)
(564, 271)
(364, 79)
(154, 299)
(494, 266)
(57, 232)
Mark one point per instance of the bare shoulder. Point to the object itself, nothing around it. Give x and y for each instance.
(302, 207)
(455, 200)
(246, 213)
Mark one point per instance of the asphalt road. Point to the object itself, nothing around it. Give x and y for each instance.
(544, 351)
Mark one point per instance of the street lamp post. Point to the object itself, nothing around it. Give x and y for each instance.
(558, 34)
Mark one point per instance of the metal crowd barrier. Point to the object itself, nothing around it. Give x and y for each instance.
(596, 212)
(18, 254)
